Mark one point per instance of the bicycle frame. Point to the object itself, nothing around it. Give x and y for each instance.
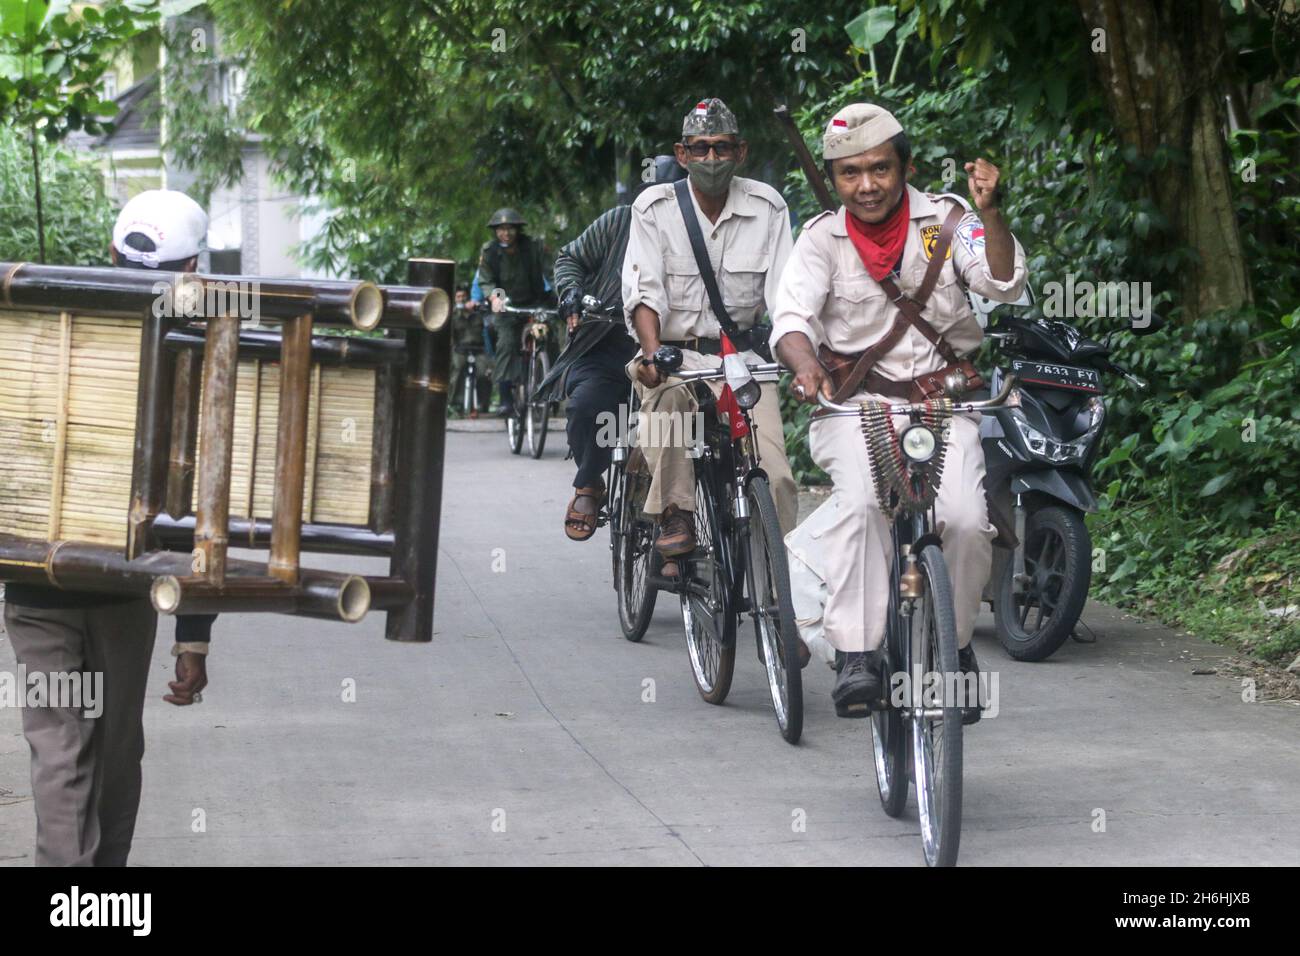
(731, 464)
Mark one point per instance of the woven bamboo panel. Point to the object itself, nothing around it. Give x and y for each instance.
(340, 419)
(67, 425)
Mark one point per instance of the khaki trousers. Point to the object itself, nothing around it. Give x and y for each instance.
(672, 471)
(86, 771)
(857, 543)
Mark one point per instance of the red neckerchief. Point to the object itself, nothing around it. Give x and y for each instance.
(879, 244)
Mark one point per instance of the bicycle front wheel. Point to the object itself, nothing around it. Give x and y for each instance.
(889, 732)
(538, 411)
(515, 421)
(936, 714)
(706, 610)
(772, 609)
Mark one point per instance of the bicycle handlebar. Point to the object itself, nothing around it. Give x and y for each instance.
(1003, 399)
(708, 374)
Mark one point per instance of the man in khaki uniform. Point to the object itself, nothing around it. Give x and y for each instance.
(746, 230)
(830, 295)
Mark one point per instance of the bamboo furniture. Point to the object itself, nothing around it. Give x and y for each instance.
(151, 421)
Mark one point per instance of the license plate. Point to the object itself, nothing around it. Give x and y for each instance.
(1057, 376)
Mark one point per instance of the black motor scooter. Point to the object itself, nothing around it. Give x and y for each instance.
(1038, 458)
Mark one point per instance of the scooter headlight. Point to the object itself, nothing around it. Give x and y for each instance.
(1049, 449)
(918, 443)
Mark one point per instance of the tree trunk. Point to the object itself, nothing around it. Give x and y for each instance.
(1163, 78)
(40, 208)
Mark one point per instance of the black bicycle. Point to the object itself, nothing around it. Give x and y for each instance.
(917, 732)
(637, 564)
(739, 565)
(531, 416)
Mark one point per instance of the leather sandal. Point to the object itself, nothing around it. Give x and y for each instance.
(581, 525)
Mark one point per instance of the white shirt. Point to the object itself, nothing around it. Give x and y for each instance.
(748, 247)
(827, 293)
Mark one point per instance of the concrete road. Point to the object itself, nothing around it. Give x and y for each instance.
(530, 732)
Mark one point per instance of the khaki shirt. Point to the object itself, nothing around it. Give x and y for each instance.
(827, 293)
(748, 247)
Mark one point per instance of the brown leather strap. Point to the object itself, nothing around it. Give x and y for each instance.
(909, 311)
(869, 358)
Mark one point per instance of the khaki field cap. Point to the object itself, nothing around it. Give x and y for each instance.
(857, 128)
(709, 117)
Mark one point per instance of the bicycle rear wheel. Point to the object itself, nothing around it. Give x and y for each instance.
(635, 559)
(772, 609)
(936, 726)
(706, 610)
(538, 411)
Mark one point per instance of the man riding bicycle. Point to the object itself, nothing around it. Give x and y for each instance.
(745, 233)
(590, 371)
(834, 304)
(468, 334)
(516, 264)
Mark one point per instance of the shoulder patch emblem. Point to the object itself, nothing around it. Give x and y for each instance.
(930, 238)
(971, 233)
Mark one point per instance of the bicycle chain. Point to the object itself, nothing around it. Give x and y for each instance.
(889, 467)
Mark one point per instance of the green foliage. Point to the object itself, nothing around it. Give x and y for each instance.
(49, 70)
(203, 134)
(79, 216)
(50, 65)
(446, 111)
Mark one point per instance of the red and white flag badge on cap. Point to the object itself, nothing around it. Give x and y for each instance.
(727, 400)
(839, 124)
(702, 108)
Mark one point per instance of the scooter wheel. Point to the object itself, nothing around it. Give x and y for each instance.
(1058, 562)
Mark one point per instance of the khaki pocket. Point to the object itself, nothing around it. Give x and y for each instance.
(682, 284)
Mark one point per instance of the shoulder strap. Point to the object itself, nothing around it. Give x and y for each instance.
(702, 257)
(909, 312)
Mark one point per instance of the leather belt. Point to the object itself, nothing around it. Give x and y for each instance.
(876, 384)
(741, 340)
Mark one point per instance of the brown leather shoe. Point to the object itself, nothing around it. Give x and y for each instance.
(676, 532)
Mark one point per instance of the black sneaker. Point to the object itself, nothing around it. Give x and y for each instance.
(968, 665)
(859, 684)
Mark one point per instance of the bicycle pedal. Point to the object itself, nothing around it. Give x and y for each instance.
(854, 711)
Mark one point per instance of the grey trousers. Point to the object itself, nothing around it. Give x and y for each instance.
(86, 771)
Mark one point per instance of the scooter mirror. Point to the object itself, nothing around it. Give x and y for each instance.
(1147, 325)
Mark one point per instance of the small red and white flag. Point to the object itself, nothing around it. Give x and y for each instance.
(702, 108)
(839, 124)
(727, 400)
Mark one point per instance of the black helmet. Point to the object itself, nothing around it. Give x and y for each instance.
(668, 170)
(506, 216)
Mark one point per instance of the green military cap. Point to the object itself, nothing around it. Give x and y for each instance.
(710, 117)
